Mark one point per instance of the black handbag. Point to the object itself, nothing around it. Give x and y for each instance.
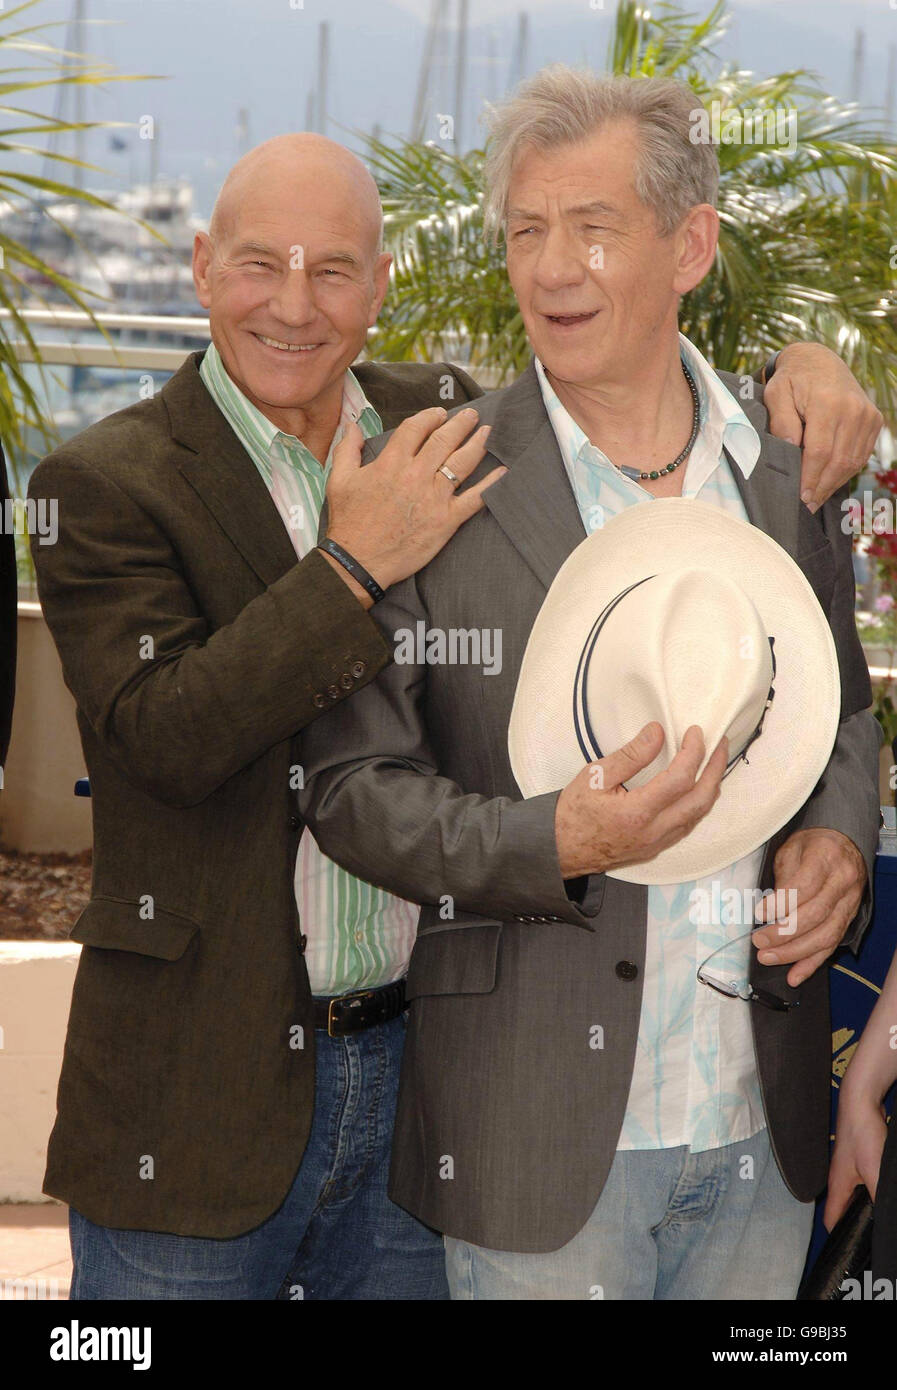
(847, 1253)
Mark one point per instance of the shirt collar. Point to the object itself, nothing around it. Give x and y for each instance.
(255, 430)
(723, 422)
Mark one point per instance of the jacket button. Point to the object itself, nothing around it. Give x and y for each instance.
(319, 700)
(295, 822)
(626, 969)
(358, 669)
(345, 681)
(333, 692)
(303, 942)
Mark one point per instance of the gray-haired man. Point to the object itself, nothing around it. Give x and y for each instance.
(672, 1162)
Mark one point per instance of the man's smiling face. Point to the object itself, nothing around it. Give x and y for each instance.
(594, 279)
(292, 278)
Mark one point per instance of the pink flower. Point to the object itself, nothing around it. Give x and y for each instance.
(884, 603)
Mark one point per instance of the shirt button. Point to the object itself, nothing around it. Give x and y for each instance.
(319, 700)
(358, 669)
(345, 681)
(626, 969)
(359, 936)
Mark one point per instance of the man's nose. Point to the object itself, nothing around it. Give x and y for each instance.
(561, 261)
(294, 301)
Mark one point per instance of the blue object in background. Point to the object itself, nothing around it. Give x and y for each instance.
(856, 983)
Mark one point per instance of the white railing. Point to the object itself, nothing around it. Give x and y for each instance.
(109, 354)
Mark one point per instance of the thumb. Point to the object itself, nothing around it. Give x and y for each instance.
(347, 454)
(633, 756)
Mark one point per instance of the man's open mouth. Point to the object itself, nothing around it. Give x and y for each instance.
(286, 347)
(571, 320)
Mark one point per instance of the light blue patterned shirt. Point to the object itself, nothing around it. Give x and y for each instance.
(695, 1078)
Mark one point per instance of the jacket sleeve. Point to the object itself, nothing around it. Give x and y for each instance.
(376, 803)
(470, 389)
(185, 713)
(846, 796)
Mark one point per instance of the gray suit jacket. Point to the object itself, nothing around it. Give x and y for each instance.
(409, 785)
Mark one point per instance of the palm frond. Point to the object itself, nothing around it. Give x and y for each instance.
(46, 67)
(805, 241)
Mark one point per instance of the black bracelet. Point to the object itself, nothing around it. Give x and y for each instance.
(770, 367)
(357, 571)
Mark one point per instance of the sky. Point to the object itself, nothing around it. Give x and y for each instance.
(214, 58)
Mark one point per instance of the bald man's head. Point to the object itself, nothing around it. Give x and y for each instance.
(292, 273)
(300, 160)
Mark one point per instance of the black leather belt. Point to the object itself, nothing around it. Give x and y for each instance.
(350, 1013)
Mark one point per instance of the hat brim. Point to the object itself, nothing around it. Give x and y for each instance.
(759, 796)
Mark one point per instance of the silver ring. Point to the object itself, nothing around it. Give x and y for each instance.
(447, 473)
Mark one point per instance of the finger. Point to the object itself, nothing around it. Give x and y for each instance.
(784, 420)
(825, 936)
(794, 914)
(347, 454)
(680, 818)
(875, 425)
(848, 445)
(442, 442)
(676, 790)
(818, 443)
(678, 777)
(802, 918)
(411, 435)
(807, 967)
(470, 500)
(834, 474)
(638, 753)
(808, 886)
(464, 460)
(805, 873)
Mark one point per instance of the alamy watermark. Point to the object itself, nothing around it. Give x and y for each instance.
(453, 646)
(29, 516)
(732, 125)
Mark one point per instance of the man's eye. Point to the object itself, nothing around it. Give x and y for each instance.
(523, 231)
(328, 271)
(263, 264)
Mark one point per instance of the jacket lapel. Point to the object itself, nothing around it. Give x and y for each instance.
(771, 495)
(217, 467)
(533, 503)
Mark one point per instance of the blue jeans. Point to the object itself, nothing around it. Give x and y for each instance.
(336, 1236)
(669, 1224)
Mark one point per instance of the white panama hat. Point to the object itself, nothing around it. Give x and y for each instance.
(666, 613)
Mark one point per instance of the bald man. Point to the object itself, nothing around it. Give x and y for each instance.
(228, 1088)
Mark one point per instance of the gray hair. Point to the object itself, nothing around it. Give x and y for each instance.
(562, 105)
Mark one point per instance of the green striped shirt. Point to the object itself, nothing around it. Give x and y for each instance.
(359, 936)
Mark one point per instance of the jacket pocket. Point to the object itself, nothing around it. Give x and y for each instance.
(115, 924)
(431, 921)
(455, 961)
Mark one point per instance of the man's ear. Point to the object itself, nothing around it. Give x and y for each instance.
(381, 285)
(697, 238)
(202, 260)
